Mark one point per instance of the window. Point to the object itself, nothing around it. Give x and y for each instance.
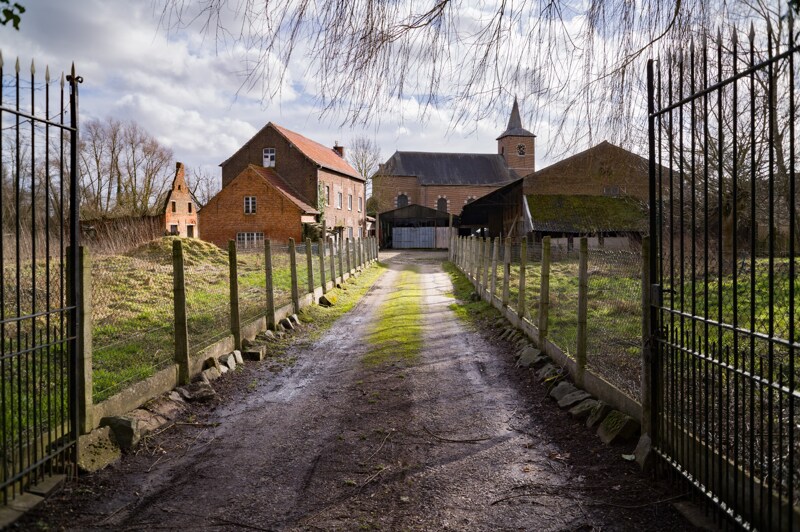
(190, 207)
(269, 157)
(327, 194)
(612, 190)
(359, 232)
(360, 203)
(249, 204)
(249, 240)
(174, 206)
(350, 202)
(338, 200)
(402, 201)
(173, 229)
(441, 204)
(190, 231)
(350, 232)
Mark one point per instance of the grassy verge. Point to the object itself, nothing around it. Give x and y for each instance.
(472, 312)
(396, 334)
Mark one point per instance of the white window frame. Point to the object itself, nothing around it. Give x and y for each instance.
(339, 200)
(250, 205)
(360, 204)
(268, 157)
(249, 239)
(350, 202)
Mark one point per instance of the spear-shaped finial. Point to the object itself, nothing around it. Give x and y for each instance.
(752, 34)
(734, 37)
(16, 67)
(1, 58)
(47, 73)
(62, 79)
(33, 68)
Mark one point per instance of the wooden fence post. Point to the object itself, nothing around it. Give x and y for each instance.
(583, 302)
(544, 292)
(310, 265)
(85, 399)
(333, 263)
(179, 306)
(506, 270)
(321, 245)
(347, 247)
(647, 382)
(487, 243)
(495, 252)
(341, 258)
(293, 271)
(479, 281)
(268, 286)
(236, 324)
(523, 262)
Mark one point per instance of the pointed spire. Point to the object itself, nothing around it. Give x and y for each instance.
(514, 121)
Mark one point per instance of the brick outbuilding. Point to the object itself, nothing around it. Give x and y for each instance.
(279, 181)
(180, 210)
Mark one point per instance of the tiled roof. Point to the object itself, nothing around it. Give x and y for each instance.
(323, 156)
(276, 181)
(432, 168)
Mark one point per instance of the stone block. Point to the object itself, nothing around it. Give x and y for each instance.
(547, 371)
(210, 374)
(129, 429)
(530, 356)
(197, 391)
(599, 413)
(562, 389)
(266, 336)
(50, 485)
(247, 343)
(237, 356)
(617, 427)
(583, 410)
(227, 361)
(256, 353)
(17, 507)
(294, 319)
(573, 398)
(166, 407)
(223, 369)
(210, 362)
(287, 324)
(97, 449)
(327, 300)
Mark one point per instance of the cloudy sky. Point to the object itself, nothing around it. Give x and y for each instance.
(185, 90)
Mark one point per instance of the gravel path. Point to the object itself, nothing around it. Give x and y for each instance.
(456, 440)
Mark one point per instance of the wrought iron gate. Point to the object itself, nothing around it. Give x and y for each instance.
(39, 279)
(724, 226)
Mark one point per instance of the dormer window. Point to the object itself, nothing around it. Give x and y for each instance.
(269, 157)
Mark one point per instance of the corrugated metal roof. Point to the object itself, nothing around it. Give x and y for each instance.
(433, 168)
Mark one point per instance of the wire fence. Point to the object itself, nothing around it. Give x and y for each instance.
(614, 299)
(133, 307)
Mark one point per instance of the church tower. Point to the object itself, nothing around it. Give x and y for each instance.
(516, 145)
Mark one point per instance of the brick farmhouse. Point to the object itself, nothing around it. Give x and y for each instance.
(279, 182)
(448, 181)
(180, 209)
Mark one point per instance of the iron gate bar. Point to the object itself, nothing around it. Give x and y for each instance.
(706, 395)
(39, 334)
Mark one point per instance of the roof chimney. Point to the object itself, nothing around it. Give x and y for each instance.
(338, 149)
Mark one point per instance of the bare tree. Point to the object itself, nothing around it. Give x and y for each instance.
(365, 156)
(203, 185)
(580, 63)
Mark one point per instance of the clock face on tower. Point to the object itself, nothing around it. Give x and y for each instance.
(520, 149)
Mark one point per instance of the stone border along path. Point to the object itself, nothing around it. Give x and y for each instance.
(456, 439)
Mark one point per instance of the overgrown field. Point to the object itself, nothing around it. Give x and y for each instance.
(132, 304)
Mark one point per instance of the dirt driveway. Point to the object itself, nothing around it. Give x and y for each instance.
(456, 439)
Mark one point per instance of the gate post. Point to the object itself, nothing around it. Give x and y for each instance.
(85, 401)
(646, 420)
(179, 305)
(233, 268)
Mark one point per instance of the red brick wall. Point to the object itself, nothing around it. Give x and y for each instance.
(343, 217)
(290, 163)
(276, 217)
(523, 165)
(386, 189)
(180, 199)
